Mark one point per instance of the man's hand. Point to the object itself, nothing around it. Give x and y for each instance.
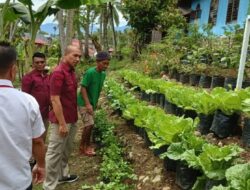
(63, 130)
(38, 174)
(89, 109)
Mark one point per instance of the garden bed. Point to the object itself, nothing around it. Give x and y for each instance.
(148, 168)
(150, 171)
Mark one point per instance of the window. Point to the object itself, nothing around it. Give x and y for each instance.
(232, 10)
(213, 12)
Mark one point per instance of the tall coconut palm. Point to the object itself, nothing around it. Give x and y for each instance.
(77, 3)
(105, 19)
(109, 17)
(66, 27)
(114, 7)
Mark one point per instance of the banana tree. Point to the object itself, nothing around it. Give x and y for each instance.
(7, 19)
(34, 20)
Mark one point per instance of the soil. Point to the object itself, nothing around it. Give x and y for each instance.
(87, 168)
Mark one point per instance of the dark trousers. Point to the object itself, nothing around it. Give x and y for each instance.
(30, 187)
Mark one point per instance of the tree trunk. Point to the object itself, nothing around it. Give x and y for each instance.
(31, 46)
(61, 30)
(113, 27)
(97, 45)
(86, 28)
(79, 33)
(101, 26)
(69, 26)
(105, 27)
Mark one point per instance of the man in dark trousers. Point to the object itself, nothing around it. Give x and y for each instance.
(36, 83)
(91, 87)
(21, 129)
(63, 118)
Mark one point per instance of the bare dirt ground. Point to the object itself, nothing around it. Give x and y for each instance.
(87, 168)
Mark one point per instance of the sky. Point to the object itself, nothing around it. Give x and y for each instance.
(50, 19)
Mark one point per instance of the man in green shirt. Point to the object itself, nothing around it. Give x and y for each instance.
(91, 87)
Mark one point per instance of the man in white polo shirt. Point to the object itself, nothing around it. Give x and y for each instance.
(21, 129)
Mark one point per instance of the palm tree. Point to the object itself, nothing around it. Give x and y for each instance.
(66, 27)
(105, 18)
(114, 20)
(108, 17)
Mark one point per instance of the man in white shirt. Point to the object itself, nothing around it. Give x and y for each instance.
(21, 129)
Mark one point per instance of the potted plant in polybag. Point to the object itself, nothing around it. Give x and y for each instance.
(205, 106)
(246, 123)
(226, 117)
(184, 152)
(238, 178)
(214, 161)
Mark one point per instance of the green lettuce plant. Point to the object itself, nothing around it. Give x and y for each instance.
(238, 178)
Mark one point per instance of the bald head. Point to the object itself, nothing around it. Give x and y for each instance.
(72, 55)
(71, 48)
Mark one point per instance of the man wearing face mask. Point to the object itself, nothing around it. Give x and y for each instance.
(21, 129)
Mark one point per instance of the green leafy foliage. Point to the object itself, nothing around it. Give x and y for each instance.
(215, 160)
(246, 106)
(22, 12)
(77, 3)
(204, 103)
(114, 171)
(200, 100)
(238, 178)
(166, 128)
(26, 2)
(188, 149)
(228, 101)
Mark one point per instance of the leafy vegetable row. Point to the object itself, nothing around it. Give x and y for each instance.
(178, 132)
(153, 119)
(190, 98)
(115, 172)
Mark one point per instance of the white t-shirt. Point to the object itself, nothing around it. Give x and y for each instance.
(20, 121)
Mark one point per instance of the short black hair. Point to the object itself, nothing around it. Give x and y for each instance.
(102, 55)
(38, 54)
(8, 56)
